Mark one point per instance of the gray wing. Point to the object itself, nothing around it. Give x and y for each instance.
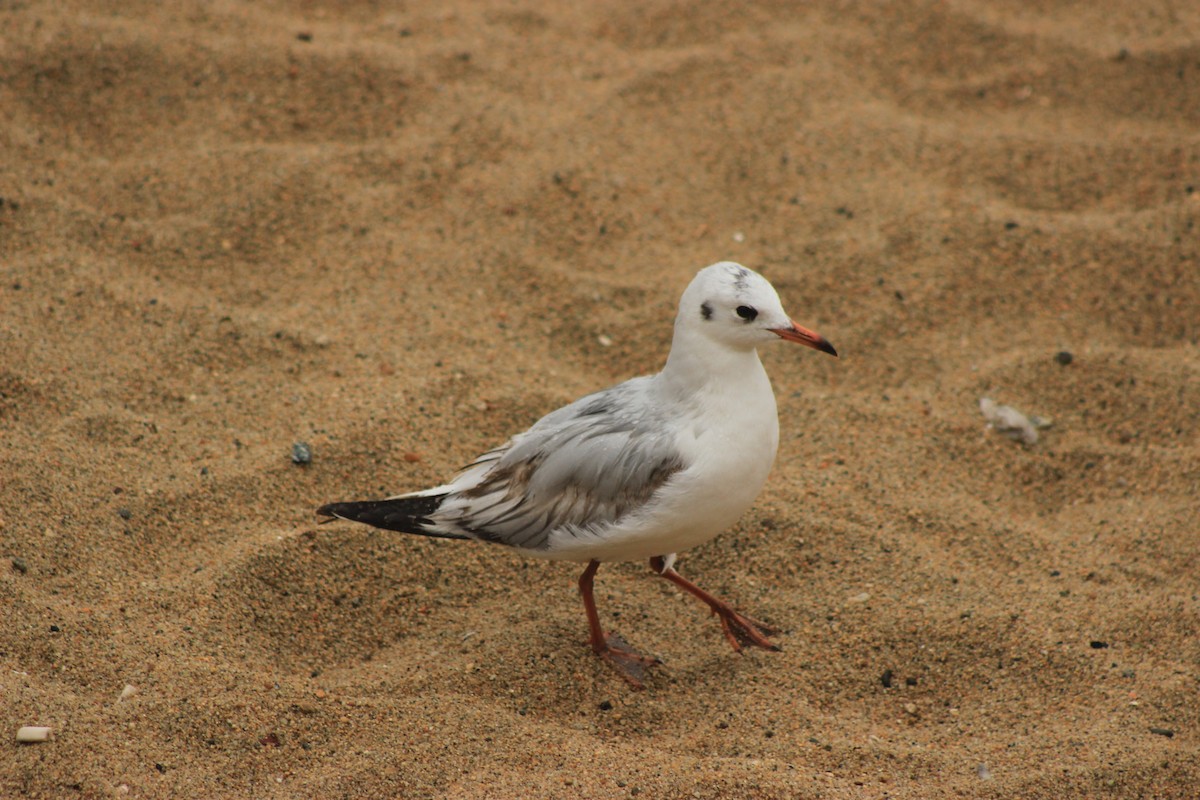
(577, 469)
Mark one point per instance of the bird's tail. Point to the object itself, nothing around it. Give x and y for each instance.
(408, 514)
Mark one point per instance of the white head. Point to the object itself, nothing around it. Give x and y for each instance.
(738, 308)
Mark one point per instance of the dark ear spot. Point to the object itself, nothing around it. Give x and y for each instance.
(706, 310)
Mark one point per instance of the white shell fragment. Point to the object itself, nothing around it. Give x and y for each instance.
(1010, 422)
(129, 691)
(32, 733)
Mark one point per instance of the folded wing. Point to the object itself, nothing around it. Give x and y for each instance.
(577, 470)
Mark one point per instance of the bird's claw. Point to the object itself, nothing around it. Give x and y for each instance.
(743, 631)
(631, 664)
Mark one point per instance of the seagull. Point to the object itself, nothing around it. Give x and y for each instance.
(642, 470)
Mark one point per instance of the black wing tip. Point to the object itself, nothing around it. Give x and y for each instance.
(403, 514)
(328, 512)
(350, 511)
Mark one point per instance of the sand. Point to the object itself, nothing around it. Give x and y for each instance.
(399, 233)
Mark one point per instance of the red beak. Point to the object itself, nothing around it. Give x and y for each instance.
(805, 337)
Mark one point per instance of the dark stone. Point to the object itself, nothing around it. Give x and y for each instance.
(301, 454)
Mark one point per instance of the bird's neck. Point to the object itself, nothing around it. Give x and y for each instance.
(696, 364)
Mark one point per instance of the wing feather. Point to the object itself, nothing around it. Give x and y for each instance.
(576, 470)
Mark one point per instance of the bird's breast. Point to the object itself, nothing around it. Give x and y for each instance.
(737, 441)
(730, 447)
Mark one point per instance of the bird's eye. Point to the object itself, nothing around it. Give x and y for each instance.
(747, 313)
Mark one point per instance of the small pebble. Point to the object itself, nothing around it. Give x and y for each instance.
(19, 565)
(1064, 357)
(1098, 645)
(983, 772)
(32, 733)
(605, 341)
(1010, 422)
(1167, 732)
(301, 454)
(129, 691)
(124, 513)
(886, 679)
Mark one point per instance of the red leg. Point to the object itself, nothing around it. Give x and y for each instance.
(611, 647)
(739, 629)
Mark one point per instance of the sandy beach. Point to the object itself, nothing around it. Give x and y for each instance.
(400, 233)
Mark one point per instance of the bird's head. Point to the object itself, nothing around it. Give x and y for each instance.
(740, 309)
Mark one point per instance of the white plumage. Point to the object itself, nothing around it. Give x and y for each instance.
(647, 468)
